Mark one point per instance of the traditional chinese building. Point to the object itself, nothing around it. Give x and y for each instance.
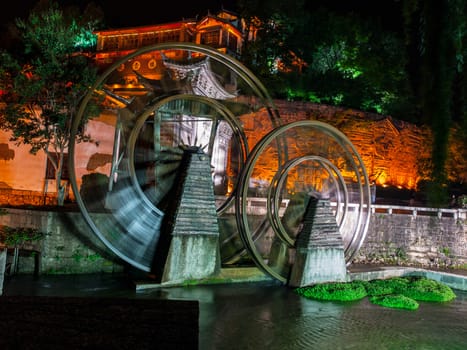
(223, 31)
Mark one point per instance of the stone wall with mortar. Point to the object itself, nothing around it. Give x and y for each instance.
(13, 197)
(69, 246)
(396, 235)
(416, 236)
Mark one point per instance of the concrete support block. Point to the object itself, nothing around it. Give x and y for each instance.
(318, 265)
(320, 250)
(194, 245)
(191, 258)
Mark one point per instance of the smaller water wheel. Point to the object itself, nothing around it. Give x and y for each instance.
(306, 160)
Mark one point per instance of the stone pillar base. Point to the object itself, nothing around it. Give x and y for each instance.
(192, 258)
(318, 265)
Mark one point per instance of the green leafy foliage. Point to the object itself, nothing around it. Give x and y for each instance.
(425, 289)
(379, 287)
(315, 53)
(43, 86)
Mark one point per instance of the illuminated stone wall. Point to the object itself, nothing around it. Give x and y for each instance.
(393, 151)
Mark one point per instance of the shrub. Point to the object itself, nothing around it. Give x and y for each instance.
(16, 236)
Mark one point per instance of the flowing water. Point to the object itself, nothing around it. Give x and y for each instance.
(268, 315)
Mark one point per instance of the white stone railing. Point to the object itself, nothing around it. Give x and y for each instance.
(257, 205)
(414, 211)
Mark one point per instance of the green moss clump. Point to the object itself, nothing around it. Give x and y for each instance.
(397, 301)
(386, 286)
(425, 289)
(15, 236)
(397, 292)
(341, 291)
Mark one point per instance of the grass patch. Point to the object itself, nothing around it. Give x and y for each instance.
(397, 292)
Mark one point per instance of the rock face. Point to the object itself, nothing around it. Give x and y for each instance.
(320, 250)
(392, 150)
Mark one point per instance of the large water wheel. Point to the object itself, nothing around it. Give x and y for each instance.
(166, 97)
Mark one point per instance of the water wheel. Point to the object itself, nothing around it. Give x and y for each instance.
(189, 95)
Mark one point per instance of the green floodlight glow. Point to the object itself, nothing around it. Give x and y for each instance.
(349, 72)
(302, 95)
(85, 39)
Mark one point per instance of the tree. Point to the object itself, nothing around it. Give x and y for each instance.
(274, 23)
(337, 56)
(437, 35)
(43, 86)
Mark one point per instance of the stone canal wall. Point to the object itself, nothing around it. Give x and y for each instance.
(416, 236)
(69, 246)
(396, 235)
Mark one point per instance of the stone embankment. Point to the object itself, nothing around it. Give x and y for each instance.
(422, 237)
(418, 236)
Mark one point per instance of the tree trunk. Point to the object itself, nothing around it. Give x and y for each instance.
(61, 192)
(60, 184)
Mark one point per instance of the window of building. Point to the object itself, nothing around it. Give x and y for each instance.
(130, 41)
(233, 43)
(149, 39)
(210, 38)
(170, 36)
(110, 43)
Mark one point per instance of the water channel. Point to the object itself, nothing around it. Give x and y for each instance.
(268, 315)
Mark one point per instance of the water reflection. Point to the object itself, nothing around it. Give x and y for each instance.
(271, 316)
(268, 315)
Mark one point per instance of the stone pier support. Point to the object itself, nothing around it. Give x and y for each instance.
(194, 243)
(320, 249)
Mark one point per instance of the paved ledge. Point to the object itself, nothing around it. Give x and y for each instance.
(366, 273)
(455, 281)
(227, 275)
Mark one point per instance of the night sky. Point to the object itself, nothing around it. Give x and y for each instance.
(132, 12)
(140, 13)
(143, 12)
